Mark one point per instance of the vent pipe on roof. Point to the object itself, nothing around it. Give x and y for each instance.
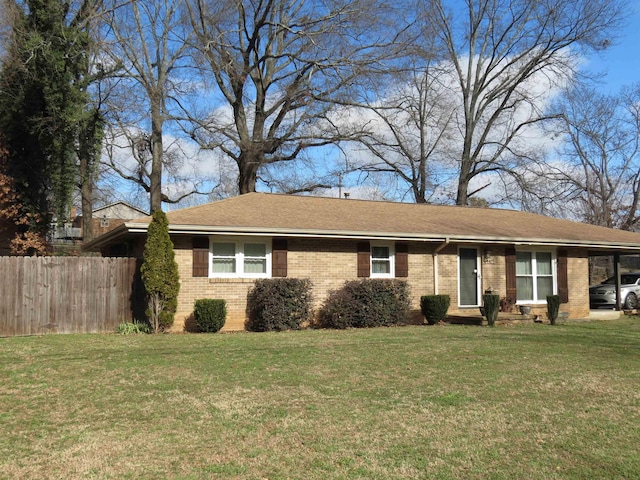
(346, 195)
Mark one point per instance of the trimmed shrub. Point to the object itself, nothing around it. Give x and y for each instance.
(276, 304)
(210, 314)
(159, 273)
(553, 308)
(435, 307)
(366, 303)
(491, 308)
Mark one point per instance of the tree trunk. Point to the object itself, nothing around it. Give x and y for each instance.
(86, 191)
(248, 173)
(462, 197)
(155, 177)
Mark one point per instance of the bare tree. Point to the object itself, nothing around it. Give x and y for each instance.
(281, 67)
(500, 51)
(91, 125)
(602, 151)
(411, 130)
(129, 154)
(150, 43)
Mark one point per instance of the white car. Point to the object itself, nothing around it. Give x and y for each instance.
(604, 295)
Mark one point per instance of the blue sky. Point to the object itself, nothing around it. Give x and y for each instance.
(621, 62)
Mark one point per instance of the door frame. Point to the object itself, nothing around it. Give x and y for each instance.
(478, 272)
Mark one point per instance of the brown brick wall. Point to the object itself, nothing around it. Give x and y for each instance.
(328, 263)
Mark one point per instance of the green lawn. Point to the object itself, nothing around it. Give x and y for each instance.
(441, 402)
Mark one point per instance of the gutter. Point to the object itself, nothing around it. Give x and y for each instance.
(435, 263)
(380, 235)
(136, 227)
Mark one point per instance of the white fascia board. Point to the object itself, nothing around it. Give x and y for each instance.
(419, 237)
(132, 227)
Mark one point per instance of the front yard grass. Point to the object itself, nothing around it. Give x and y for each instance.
(441, 402)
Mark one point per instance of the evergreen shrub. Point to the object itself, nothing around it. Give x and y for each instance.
(210, 314)
(159, 272)
(435, 307)
(491, 307)
(366, 303)
(553, 308)
(276, 304)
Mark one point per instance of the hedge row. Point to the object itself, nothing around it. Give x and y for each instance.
(277, 304)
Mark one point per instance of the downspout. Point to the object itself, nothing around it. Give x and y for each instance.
(435, 263)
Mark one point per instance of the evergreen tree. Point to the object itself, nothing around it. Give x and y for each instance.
(44, 103)
(160, 274)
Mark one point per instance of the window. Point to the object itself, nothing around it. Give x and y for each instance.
(255, 258)
(381, 261)
(535, 277)
(236, 258)
(223, 258)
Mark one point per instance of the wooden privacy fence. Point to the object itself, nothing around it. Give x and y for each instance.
(41, 295)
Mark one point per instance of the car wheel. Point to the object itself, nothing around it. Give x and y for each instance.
(631, 302)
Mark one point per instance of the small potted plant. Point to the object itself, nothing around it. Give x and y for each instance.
(506, 304)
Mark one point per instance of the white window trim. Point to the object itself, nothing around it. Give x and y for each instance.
(554, 274)
(239, 243)
(392, 260)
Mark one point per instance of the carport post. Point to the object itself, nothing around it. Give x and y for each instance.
(616, 274)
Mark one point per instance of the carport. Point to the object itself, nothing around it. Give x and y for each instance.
(617, 269)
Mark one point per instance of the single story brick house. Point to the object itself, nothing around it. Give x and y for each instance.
(223, 247)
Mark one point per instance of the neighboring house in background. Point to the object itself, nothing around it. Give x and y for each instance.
(109, 217)
(67, 238)
(222, 247)
(104, 219)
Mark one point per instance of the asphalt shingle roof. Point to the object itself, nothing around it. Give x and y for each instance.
(321, 216)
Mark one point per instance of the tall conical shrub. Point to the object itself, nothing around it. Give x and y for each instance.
(491, 308)
(553, 308)
(160, 274)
